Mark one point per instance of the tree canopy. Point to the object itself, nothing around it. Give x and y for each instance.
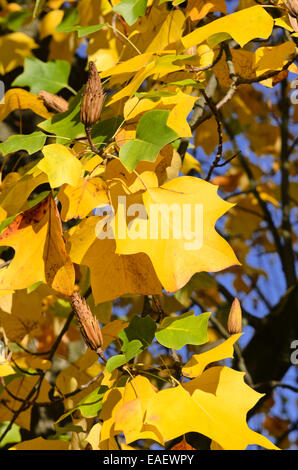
(148, 291)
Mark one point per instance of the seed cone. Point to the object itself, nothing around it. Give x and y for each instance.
(89, 325)
(92, 101)
(235, 318)
(292, 6)
(53, 102)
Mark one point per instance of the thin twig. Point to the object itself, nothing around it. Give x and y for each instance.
(219, 131)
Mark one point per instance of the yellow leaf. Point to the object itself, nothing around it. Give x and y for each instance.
(60, 165)
(166, 240)
(129, 66)
(62, 46)
(17, 98)
(243, 26)
(14, 48)
(215, 405)
(77, 374)
(198, 9)
(190, 163)
(134, 274)
(273, 58)
(170, 31)
(94, 436)
(48, 24)
(119, 407)
(134, 85)
(5, 368)
(77, 201)
(21, 313)
(36, 235)
(130, 416)
(20, 387)
(110, 331)
(15, 191)
(129, 420)
(40, 443)
(27, 361)
(198, 362)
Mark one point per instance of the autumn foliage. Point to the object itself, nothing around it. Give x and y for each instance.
(121, 329)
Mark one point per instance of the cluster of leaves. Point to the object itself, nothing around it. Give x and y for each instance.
(178, 76)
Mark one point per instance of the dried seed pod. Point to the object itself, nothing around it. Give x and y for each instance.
(53, 102)
(235, 318)
(92, 101)
(89, 325)
(292, 7)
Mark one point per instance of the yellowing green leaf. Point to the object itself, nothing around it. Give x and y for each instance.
(60, 165)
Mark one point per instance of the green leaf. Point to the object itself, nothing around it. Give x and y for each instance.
(31, 143)
(15, 19)
(153, 95)
(217, 38)
(131, 10)
(176, 332)
(135, 338)
(67, 126)
(142, 329)
(187, 82)
(85, 30)
(132, 349)
(51, 76)
(90, 405)
(104, 130)
(13, 435)
(152, 135)
(70, 17)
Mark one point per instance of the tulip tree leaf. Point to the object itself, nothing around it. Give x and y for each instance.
(70, 17)
(135, 338)
(31, 143)
(176, 332)
(131, 10)
(152, 135)
(51, 76)
(133, 348)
